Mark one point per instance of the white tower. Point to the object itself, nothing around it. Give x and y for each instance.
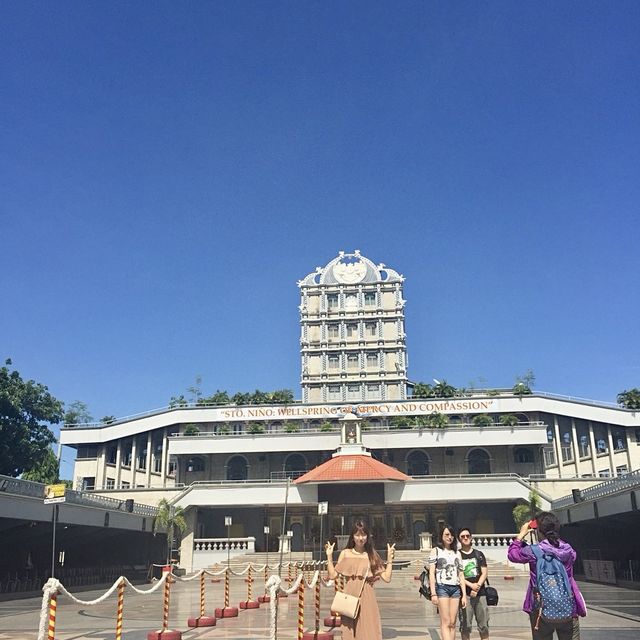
(352, 332)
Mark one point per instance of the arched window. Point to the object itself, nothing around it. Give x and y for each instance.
(417, 464)
(522, 455)
(237, 468)
(195, 464)
(478, 461)
(295, 465)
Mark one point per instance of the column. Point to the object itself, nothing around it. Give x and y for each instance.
(592, 447)
(165, 456)
(612, 464)
(188, 536)
(118, 464)
(558, 445)
(576, 450)
(147, 482)
(134, 462)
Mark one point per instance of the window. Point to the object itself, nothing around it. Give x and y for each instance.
(604, 473)
(88, 483)
(333, 331)
(370, 330)
(619, 440)
(352, 361)
(373, 391)
(585, 447)
(417, 464)
(195, 464)
(112, 455)
(601, 446)
(353, 391)
(352, 330)
(370, 299)
(622, 470)
(110, 484)
(523, 455)
(334, 392)
(172, 469)
(333, 362)
(295, 465)
(478, 461)
(237, 468)
(372, 360)
(567, 453)
(332, 301)
(87, 452)
(125, 485)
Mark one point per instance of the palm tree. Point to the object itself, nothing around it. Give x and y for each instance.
(422, 390)
(437, 420)
(444, 390)
(508, 420)
(630, 399)
(169, 518)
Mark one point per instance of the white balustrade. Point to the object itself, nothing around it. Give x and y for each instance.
(209, 551)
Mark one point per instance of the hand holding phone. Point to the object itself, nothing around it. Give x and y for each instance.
(533, 524)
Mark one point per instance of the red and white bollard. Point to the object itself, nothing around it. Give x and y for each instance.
(317, 634)
(202, 620)
(227, 611)
(249, 603)
(266, 597)
(165, 633)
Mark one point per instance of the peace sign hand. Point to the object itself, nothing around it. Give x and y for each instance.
(329, 547)
(391, 551)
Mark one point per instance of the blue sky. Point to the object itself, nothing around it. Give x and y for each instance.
(168, 171)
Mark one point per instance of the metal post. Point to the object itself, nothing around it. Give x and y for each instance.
(53, 545)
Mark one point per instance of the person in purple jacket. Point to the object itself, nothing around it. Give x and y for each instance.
(548, 527)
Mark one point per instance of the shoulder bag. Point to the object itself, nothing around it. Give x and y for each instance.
(346, 604)
(491, 594)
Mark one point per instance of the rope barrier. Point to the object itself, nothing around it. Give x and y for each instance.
(53, 588)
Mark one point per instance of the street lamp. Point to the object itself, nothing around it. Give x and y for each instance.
(290, 536)
(228, 522)
(266, 543)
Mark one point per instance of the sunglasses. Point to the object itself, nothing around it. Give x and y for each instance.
(465, 535)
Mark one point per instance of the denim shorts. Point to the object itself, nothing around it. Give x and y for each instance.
(448, 591)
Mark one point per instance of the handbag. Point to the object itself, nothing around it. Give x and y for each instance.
(491, 594)
(347, 605)
(425, 588)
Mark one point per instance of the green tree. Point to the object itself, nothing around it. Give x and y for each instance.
(508, 420)
(26, 409)
(256, 427)
(482, 420)
(524, 384)
(196, 390)
(444, 390)
(47, 471)
(401, 422)
(437, 420)
(107, 419)
(327, 426)
(219, 397)
(169, 519)
(241, 398)
(191, 430)
(290, 427)
(177, 401)
(528, 511)
(422, 390)
(282, 396)
(630, 399)
(77, 413)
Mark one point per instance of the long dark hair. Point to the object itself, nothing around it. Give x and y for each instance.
(454, 542)
(375, 561)
(549, 527)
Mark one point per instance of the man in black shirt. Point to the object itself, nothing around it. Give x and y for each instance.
(474, 565)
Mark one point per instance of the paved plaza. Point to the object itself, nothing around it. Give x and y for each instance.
(613, 612)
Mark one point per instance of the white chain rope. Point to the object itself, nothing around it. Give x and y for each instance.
(54, 586)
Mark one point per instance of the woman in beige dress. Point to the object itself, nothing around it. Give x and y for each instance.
(353, 562)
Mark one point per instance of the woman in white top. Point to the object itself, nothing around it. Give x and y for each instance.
(445, 577)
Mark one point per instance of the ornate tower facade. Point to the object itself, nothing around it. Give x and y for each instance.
(352, 339)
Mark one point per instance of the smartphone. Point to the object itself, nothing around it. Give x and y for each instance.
(533, 524)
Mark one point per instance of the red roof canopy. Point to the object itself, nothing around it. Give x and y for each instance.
(352, 468)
